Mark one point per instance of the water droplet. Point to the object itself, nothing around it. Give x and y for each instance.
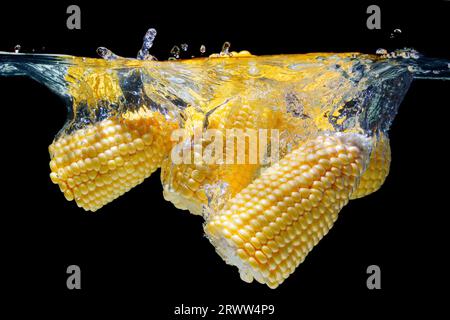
(184, 46)
(106, 54)
(202, 49)
(381, 51)
(17, 48)
(395, 33)
(175, 52)
(226, 48)
(147, 43)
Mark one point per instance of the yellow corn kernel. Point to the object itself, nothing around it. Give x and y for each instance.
(268, 228)
(97, 164)
(377, 170)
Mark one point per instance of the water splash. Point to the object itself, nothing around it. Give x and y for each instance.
(396, 33)
(225, 48)
(302, 96)
(202, 49)
(106, 54)
(175, 52)
(184, 47)
(147, 43)
(17, 48)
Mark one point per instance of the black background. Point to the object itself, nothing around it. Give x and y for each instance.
(140, 249)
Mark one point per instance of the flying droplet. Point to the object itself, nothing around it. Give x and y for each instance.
(381, 51)
(147, 43)
(17, 48)
(175, 52)
(202, 49)
(184, 46)
(226, 48)
(395, 33)
(106, 54)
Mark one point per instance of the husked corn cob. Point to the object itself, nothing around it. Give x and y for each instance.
(184, 184)
(92, 85)
(377, 170)
(268, 228)
(97, 164)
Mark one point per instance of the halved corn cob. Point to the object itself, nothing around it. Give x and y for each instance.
(99, 163)
(377, 170)
(185, 184)
(268, 228)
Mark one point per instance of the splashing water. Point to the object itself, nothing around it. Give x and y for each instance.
(149, 37)
(226, 48)
(202, 49)
(381, 51)
(395, 33)
(122, 113)
(106, 53)
(175, 52)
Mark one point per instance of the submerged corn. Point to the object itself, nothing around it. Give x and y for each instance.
(186, 184)
(97, 164)
(268, 228)
(262, 218)
(377, 171)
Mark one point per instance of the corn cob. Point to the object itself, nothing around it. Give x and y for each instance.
(377, 170)
(184, 184)
(268, 228)
(97, 164)
(91, 85)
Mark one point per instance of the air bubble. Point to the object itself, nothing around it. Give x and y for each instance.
(202, 49)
